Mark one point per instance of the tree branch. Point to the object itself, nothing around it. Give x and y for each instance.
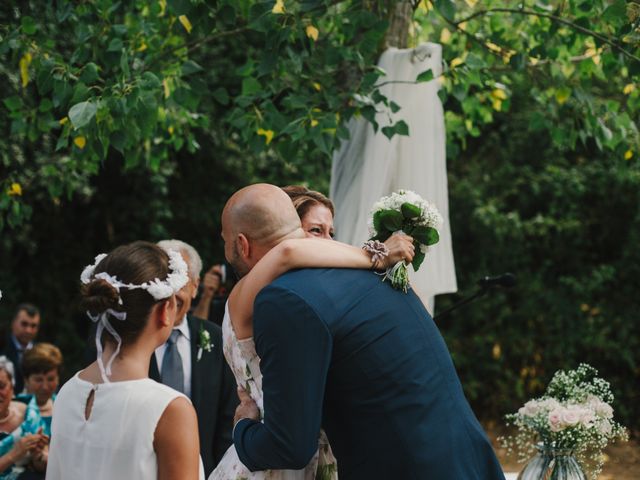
(471, 36)
(192, 46)
(550, 16)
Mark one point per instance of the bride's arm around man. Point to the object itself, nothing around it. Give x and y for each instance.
(341, 349)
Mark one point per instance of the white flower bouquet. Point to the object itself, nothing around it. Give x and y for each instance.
(574, 414)
(405, 211)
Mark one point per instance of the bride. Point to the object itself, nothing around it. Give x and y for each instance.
(239, 348)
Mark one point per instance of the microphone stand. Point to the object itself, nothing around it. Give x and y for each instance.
(506, 280)
(464, 301)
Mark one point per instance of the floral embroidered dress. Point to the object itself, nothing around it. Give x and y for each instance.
(244, 362)
(33, 421)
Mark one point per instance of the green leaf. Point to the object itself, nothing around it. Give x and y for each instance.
(124, 64)
(425, 76)
(45, 105)
(418, 258)
(425, 235)
(13, 103)
(189, 67)
(409, 210)
(369, 113)
(115, 45)
(399, 128)
(28, 25)
(617, 12)
(395, 108)
(391, 220)
(80, 93)
(179, 7)
(250, 86)
(44, 80)
(377, 222)
(447, 8)
(63, 142)
(221, 95)
(89, 73)
(82, 113)
(402, 128)
(149, 81)
(474, 61)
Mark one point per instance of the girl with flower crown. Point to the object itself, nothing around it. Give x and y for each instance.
(110, 420)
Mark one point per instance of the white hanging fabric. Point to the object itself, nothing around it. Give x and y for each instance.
(369, 165)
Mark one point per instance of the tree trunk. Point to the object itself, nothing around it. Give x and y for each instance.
(400, 18)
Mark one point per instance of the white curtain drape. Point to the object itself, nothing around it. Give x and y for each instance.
(369, 165)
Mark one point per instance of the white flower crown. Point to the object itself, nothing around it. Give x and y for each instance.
(158, 289)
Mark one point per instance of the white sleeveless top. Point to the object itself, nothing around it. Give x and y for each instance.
(116, 442)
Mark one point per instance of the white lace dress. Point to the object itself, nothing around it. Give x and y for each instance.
(245, 364)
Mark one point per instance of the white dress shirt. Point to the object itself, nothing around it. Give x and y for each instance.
(184, 348)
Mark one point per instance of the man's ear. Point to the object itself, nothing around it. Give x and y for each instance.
(166, 312)
(243, 246)
(196, 284)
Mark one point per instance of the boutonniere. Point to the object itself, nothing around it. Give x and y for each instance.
(204, 341)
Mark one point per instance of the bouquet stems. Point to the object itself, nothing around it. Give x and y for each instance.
(399, 276)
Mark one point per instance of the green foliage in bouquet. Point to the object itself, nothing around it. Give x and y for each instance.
(386, 222)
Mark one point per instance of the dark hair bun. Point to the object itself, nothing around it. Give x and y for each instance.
(98, 296)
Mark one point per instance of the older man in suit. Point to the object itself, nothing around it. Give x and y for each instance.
(192, 362)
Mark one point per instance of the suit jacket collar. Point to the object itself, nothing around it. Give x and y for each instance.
(18, 346)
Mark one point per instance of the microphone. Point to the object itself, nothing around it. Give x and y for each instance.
(506, 280)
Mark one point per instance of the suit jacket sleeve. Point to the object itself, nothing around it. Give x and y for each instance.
(294, 347)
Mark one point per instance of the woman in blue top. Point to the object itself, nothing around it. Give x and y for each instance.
(21, 437)
(41, 370)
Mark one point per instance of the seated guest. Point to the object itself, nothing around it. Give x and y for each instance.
(41, 369)
(24, 329)
(21, 440)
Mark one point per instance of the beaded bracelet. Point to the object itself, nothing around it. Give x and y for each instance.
(377, 250)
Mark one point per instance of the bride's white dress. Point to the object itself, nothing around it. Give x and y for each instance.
(245, 364)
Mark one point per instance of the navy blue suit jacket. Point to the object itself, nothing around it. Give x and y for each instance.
(341, 349)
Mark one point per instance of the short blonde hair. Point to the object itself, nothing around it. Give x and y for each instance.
(42, 358)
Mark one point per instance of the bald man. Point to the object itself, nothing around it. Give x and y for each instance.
(341, 349)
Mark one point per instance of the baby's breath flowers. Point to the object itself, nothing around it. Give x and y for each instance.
(574, 414)
(405, 211)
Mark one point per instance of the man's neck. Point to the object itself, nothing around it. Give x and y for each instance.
(18, 343)
(180, 321)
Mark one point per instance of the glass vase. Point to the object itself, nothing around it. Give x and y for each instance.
(552, 464)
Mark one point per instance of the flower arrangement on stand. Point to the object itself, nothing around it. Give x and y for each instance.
(405, 211)
(574, 418)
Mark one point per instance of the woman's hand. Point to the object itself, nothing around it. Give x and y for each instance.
(28, 444)
(39, 461)
(400, 248)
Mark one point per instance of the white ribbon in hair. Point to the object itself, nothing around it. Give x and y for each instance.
(103, 322)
